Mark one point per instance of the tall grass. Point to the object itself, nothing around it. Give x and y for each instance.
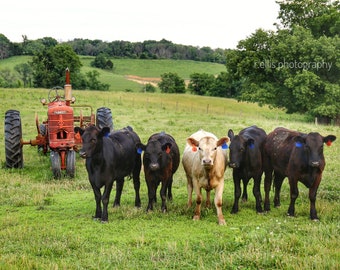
(47, 224)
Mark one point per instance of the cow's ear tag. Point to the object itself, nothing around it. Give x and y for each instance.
(194, 149)
(139, 150)
(251, 146)
(329, 143)
(298, 144)
(167, 150)
(224, 146)
(106, 135)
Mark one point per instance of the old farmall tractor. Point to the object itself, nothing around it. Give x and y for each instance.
(56, 135)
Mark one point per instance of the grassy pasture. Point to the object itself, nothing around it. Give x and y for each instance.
(117, 79)
(47, 224)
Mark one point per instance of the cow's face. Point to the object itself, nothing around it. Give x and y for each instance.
(207, 149)
(91, 138)
(238, 148)
(312, 144)
(155, 154)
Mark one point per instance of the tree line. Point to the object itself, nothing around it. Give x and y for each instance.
(149, 49)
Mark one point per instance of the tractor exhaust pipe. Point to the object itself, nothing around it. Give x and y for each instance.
(68, 88)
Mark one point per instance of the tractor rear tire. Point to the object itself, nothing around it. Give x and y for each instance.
(104, 118)
(70, 163)
(56, 167)
(13, 135)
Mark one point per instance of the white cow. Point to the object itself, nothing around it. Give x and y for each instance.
(204, 161)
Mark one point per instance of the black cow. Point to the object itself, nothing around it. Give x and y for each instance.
(298, 156)
(245, 157)
(160, 160)
(110, 157)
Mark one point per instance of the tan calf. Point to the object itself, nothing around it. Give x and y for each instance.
(204, 161)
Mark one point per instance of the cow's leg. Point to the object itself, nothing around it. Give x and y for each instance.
(312, 197)
(208, 200)
(163, 195)
(151, 194)
(97, 197)
(136, 184)
(294, 193)
(189, 188)
(237, 190)
(169, 188)
(119, 189)
(105, 199)
(245, 193)
(257, 193)
(278, 179)
(218, 203)
(197, 213)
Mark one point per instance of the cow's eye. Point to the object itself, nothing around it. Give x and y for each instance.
(215, 149)
(93, 140)
(199, 148)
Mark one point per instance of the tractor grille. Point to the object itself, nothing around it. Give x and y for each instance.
(61, 127)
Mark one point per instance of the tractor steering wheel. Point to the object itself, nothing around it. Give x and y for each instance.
(54, 95)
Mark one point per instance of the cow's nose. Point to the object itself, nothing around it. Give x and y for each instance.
(82, 154)
(232, 165)
(154, 166)
(207, 161)
(315, 163)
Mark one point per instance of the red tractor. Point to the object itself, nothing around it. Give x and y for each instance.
(56, 135)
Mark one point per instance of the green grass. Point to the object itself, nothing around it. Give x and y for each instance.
(138, 67)
(47, 224)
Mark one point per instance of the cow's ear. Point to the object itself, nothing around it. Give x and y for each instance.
(231, 134)
(299, 141)
(105, 132)
(329, 139)
(192, 142)
(251, 143)
(166, 147)
(223, 142)
(79, 130)
(140, 147)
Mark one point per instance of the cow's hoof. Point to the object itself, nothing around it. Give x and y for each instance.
(196, 217)
(315, 219)
(104, 221)
(222, 222)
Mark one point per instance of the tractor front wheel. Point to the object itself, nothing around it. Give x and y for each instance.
(70, 163)
(13, 135)
(56, 168)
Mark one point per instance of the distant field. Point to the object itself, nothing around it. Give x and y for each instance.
(117, 79)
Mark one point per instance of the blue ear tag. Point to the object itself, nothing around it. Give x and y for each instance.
(107, 134)
(139, 150)
(251, 146)
(224, 146)
(298, 144)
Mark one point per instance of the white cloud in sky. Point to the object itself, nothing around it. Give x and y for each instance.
(214, 23)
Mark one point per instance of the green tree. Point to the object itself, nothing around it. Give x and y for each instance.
(50, 64)
(202, 84)
(171, 83)
(288, 69)
(93, 83)
(321, 17)
(25, 70)
(5, 47)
